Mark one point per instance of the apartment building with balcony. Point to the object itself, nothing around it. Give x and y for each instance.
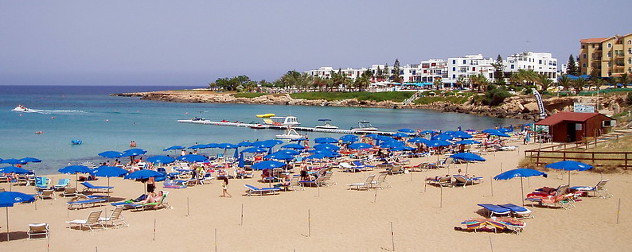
(541, 63)
(606, 57)
(468, 66)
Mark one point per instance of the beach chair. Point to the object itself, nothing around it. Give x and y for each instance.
(92, 188)
(346, 167)
(442, 181)
(463, 180)
(41, 183)
(518, 211)
(91, 221)
(377, 182)
(115, 219)
(38, 229)
(563, 201)
(261, 191)
(294, 183)
(495, 209)
(320, 181)
(363, 185)
(149, 205)
(365, 167)
(61, 184)
(69, 191)
(82, 201)
(46, 194)
(599, 189)
(395, 169)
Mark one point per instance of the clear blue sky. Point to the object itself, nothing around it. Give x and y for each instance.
(156, 42)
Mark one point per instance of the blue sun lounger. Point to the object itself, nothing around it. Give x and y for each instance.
(518, 211)
(261, 191)
(495, 209)
(93, 188)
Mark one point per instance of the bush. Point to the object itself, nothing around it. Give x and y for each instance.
(494, 96)
(361, 96)
(248, 95)
(628, 100)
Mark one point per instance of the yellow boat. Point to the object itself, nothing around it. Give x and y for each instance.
(265, 115)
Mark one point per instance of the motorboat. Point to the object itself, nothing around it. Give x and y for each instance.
(327, 124)
(290, 134)
(364, 126)
(21, 108)
(285, 120)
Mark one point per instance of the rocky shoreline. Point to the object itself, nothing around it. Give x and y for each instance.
(519, 107)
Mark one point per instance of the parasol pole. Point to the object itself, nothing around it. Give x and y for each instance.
(522, 191)
(7, 214)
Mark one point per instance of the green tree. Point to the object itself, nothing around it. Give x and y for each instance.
(499, 73)
(478, 82)
(387, 73)
(380, 74)
(495, 95)
(571, 66)
(437, 83)
(544, 82)
(396, 71)
(579, 84)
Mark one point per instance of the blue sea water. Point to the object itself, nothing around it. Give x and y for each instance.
(103, 122)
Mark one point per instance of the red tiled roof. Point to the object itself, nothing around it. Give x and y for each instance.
(593, 40)
(566, 116)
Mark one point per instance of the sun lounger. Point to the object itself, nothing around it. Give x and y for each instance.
(149, 205)
(563, 201)
(320, 181)
(599, 189)
(350, 168)
(69, 191)
(365, 167)
(38, 229)
(92, 188)
(377, 182)
(46, 194)
(496, 225)
(261, 191)
(83, 201)
(61, 184)
(91, 221)
(41, 183)
(442, 181)
(518, 211)
(363, 185)
(463, 180)
(495, 209)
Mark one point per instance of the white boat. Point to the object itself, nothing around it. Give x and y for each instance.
(289, 134)
(327, 125)
(364, 126)
(21, 108)
(285, 120)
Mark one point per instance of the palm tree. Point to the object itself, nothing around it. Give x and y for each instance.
(544, 82)
(579, 84)
(565, 82)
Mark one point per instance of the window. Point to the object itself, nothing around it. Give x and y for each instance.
(609, 45)
(454, 62)
(584, 56)
(540, 62)
(512, 66)
(453, 68)
(584, 65)
(629, 41)
(464, 62)
(473, 69)
(609, 54)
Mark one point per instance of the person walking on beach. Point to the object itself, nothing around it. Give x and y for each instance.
(225, 188)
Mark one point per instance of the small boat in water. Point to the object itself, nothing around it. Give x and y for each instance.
(21, 108)
(76, 142)
(327, 124)
(290, 134)
(364, 126)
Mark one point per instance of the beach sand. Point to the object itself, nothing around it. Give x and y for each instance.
(334, 218)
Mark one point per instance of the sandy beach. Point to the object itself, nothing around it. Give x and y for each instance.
(334, 218)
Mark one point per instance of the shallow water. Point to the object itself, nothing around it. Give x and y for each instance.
(103, 122)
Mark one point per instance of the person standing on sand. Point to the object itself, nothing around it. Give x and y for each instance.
(225, 188)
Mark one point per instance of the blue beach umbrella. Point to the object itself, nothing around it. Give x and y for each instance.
(467, 156)
(267, 165)
(426, 132)
(495, 132)
(8, 199)
(192, 158)
(111, 154)
(289, 152)
(569, 166)
(467, 141)
(12, 161)
(316, 156)
(461, 134)
(144, 174)
(444, 137)
(30, 160)
(254, 150)
(349, 139)
(360, 146)
(293, 146)
(133, 152)
(175, 147)
(522, 173)
(278, 156)
(400, 135)
(326, 147)
(109, 171)
(244, 144)
(419, 140)
(324, 140)
(13, 169)
(161, 159)
(438, 143)
(199, 146)
(406, 130)
(75, 169)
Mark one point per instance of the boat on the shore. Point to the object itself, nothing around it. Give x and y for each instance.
(290, 134)
(364, 126)
(327, 124)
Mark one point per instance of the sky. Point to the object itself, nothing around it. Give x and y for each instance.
(188, 42)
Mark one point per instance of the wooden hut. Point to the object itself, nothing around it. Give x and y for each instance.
(574, 126)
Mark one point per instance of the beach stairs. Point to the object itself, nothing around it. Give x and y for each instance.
(411, 99)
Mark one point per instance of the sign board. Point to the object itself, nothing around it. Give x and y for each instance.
(582, 108)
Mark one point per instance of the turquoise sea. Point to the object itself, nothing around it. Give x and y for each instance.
(104, 122)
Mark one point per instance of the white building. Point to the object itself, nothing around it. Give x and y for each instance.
(429, 70)
(541, 63)
(468, 66)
